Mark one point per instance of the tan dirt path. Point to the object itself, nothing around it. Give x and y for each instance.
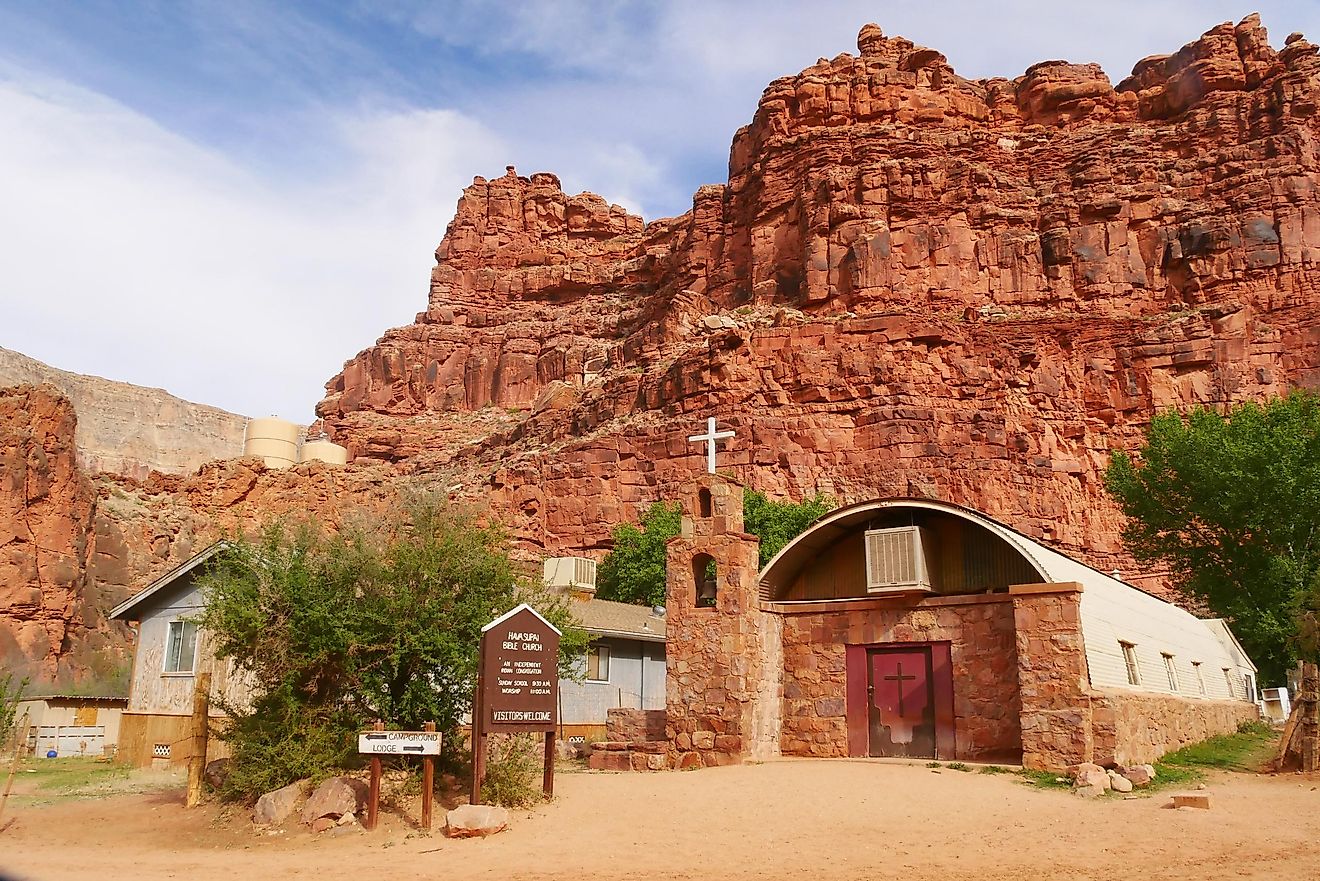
(819, 819)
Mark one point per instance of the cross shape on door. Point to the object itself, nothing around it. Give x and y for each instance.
(900, 679)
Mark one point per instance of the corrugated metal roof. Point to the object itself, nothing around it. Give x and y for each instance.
(1112, 611)
(608, 618)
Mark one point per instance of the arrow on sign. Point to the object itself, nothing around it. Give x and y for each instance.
(375, 736)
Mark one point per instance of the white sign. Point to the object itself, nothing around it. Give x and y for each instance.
(400, 743)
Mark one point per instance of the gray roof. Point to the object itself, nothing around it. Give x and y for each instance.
(125, 610)
(608, 618)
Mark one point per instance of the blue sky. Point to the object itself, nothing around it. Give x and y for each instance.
(228, 199)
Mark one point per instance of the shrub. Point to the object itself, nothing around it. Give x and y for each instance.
(514, 766)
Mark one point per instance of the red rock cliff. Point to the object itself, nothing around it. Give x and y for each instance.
(912, 283)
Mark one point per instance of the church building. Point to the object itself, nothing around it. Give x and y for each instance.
(922, 629)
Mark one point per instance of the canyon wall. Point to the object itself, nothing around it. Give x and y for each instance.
(911, 284)
(130, 430)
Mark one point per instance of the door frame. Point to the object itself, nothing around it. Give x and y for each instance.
(857, 702)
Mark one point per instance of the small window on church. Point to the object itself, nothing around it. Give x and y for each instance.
(703, 502)
(1170, 670)
(598, 663)
(1130, 659)
(1200, 679)
(706, 580)
(1228, 677)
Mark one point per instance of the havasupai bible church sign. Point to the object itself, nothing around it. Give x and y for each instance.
(517, 686)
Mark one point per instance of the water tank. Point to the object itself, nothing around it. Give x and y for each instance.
(323, 451)
(274, 440)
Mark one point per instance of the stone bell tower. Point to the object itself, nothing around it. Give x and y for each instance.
(723, 680)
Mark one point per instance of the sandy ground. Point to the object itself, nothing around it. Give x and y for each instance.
(818, 819)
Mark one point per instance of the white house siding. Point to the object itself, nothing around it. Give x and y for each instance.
(636, 680)
(155, 691)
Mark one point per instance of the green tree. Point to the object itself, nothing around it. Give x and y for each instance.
(778, 523)
(337, 630)
(11, 692)
(634, 570)
(1231, 504)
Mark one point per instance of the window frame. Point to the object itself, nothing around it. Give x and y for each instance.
(183, 625)
(1228, 679)
(1171, 670)
(1200, 676)
(598, 648)
(1131, 662)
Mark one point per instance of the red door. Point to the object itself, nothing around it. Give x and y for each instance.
(901, 708)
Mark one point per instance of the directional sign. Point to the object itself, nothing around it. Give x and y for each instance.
(400, 743)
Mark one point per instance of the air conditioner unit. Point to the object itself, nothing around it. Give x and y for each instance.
(899, 560)
(570, 573)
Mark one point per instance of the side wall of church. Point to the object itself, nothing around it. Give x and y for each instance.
(980, 631)
(1131, 728)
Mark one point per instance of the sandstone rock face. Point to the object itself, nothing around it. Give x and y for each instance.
(912, 284)
(130, 430)
(51, 612)
(929, 285)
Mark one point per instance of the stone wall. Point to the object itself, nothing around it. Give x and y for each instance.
(627, 725)
(1131, 728)
(1052, 675)
(984, 656)
(716, 664)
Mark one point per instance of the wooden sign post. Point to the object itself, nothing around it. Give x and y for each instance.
(378, 742)
(517, 687)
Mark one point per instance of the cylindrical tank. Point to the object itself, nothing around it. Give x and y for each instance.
(323, 451)
(274, 440)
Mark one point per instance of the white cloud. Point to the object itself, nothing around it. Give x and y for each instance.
(132, 253)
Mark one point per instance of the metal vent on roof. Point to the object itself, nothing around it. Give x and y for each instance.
(898, 560)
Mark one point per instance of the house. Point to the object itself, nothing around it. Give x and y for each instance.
(170, 651)
(919, 628)
(69, 725)
(625, 661)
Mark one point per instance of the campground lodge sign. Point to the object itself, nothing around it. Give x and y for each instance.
(517, 687)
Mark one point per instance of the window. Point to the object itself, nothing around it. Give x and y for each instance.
(181, 647)
(1228, 677)
(1200, 680)
(1130, 659)
(1170, 670)
(703, 502)
(1250, 682)
(598, 663)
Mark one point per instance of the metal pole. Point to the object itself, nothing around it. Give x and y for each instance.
(476, 737)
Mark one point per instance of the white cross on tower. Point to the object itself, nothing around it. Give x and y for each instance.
(709, 439)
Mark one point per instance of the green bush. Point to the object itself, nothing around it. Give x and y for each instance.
(514, 767)
(11, 692)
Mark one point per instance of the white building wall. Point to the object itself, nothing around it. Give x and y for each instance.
(636, 680)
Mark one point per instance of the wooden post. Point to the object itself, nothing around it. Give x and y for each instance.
(373, 795)
(428, 782)
(476, 737)
(548, 777)
(200, 732)
(19, 732)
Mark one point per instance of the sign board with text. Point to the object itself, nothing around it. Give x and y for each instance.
(399, 743)
(519, 676)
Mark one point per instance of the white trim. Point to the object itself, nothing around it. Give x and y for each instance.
(509, 614)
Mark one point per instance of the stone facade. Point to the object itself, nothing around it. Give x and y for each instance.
(628, 725)
(1131, 728)
(985, 680)
(1052, 675)
(716, 653)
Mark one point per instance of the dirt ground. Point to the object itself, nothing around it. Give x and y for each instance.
(819, 819)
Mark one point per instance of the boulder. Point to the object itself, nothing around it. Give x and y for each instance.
(1119, 783)
(322, 824)
(216, 772)
(275, 807)
(473, 821)
(1140, 775)
(1088, 774)
(334, 798)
